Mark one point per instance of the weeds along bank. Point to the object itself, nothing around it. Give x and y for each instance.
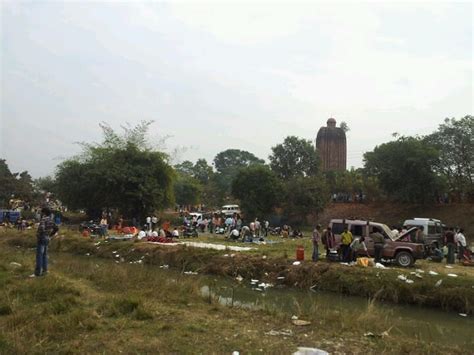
(454, 294)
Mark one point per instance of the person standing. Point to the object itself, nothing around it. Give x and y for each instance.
(346, 240)
(328, 240)
(379, 243)
(148, 223)
(103, 226)
(154, 222)
(266, 224)
(461, 242)
(46, 229)
(420, 235)
(316, 240)
(450, 240)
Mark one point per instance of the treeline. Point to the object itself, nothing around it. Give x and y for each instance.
(127, 172)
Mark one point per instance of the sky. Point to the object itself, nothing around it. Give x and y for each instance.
(219, 75)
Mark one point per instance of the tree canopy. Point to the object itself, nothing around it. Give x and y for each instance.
(294, 157)
(122, 172)
(18, 185)
(258, 190)
(404, 168)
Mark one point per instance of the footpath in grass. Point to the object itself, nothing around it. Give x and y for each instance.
(93, 305)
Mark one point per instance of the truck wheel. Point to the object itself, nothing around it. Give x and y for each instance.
(404, 259)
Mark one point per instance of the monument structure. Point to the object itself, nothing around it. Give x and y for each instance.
(332, 147)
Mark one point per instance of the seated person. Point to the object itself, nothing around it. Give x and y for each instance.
(234, 234)
(358, 244)
(437, 253)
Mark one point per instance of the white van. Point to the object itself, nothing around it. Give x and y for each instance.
(229, 210)
(433, 229)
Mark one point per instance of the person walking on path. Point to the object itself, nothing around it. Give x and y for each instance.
(46, 229)
(450, 240)
(316, 240)
(461, 242)
(379, 243)
(346, 240)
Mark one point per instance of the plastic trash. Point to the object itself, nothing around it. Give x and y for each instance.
(114, 252)
(300, 322)
(380, 266)
(452, 275)
(310, 351)
(15, 264)
(437, 284)
(463, 314)
(294, 317)
(419, 271)
(239, 278)
(402, 277)
(434, 273)
(296, 262)
(280, 277)
(408, 281)
(418, 276)
(449, 267)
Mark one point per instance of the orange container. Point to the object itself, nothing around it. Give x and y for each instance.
(300, 253)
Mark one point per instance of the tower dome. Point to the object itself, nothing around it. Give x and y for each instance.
(331, 146)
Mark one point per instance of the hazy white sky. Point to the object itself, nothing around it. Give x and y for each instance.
(228, 75)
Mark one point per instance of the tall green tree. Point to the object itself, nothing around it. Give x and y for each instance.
(293, 158)
(404, 169)
(122, 172)
(187, 190)
(305, 196)
(258, 190)
(454, 140)
(7, 183)
(227, 165)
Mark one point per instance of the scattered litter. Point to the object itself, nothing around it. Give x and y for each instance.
(88, 254)
(257, 289)
(463, 314)
(380, 266)
(216, 246)
(439, 283)
(226, 255)
(300, 322)
(402, 277)
(253, 281)
(239, 278)
(164, 267)
(418, 275)
(408, 281)
(143, 257)
(286, 332)
(140, 261)
(280, 277)
(264, 285)
(296, 262)
(449, 267)
(264, 257)
(114, 252)
(294, 317)
(434, 273)
(117, 256)
(235, 352)
(117, 261)
(346, 264)
(310, 351)
(15, 264)
(98, 243)
(452, 275)
(232, 255)
(420, 271)
(122, 260)
(190, 273)
(369, 334)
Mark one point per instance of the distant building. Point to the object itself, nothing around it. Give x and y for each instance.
(332, 147)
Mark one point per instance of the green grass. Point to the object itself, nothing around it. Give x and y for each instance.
(92, 304)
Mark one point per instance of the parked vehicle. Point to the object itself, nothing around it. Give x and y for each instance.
(229, 210)
(433, 229)
(403, 253)
(9, 216)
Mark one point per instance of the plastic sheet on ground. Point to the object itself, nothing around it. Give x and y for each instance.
(215, 246)
(310, 351)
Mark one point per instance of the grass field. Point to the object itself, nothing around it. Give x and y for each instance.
(92, 304)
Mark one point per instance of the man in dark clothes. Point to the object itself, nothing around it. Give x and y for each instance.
(46, 229)
(379, 242)
(450, 240)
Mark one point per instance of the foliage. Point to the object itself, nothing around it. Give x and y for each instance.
(258, 190)
(45, 184)
(227, 164)
(454, 140)
(344, 126)
(18, 185)
(295, 157)
(306, 195)
(404, 168)
(132, 178)
(187, 190)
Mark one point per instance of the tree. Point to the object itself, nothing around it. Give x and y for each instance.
(185, 168)
(344, 126)
(187, 190)
(258, 190)
(122, 172)
(454, 140)
(227, 164)
(306, 195)
(7, 183)
(294, 157)
(45, 184)
(404, 169)
(202, 171)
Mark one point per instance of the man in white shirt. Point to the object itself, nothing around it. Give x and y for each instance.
(461, 242)
(148, 223)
